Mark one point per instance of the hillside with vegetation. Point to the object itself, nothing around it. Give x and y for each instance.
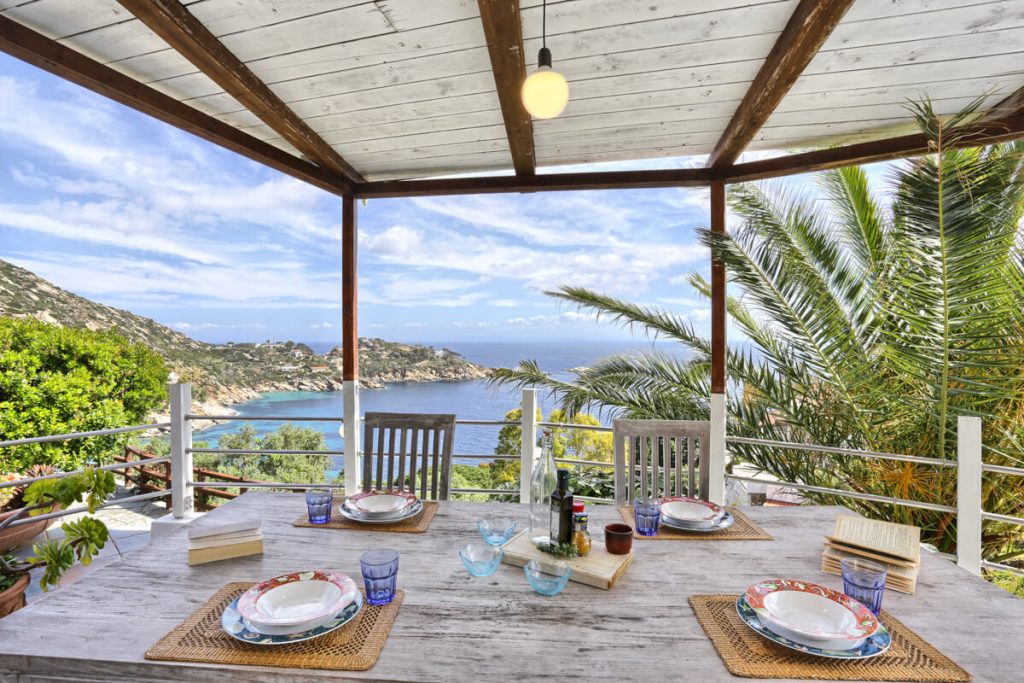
(231, 372)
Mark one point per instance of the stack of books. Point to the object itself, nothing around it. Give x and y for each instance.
(210, 543)
(897, 546)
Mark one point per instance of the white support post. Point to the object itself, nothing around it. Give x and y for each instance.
(528, 447)
(968, 494)
(182, 499)
(716, 452)
(352, 469)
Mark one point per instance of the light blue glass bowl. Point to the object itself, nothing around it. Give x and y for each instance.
(547, 578)
(481, 559)
(496, 530)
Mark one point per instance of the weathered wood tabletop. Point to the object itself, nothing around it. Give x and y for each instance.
(456, 628)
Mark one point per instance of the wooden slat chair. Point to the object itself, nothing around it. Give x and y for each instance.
(394, 442)
(660, 458)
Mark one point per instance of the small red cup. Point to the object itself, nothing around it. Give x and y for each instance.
(618, 538)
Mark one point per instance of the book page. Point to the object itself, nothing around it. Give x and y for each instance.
(871, 555)
(899, 540)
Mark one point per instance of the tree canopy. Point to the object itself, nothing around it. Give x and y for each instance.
(55, 380)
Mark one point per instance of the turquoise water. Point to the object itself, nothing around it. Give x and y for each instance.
(472, 400)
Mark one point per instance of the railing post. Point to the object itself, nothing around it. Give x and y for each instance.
(528, 447)
(968, 493)
(351, 427)
(716, 452)
(182, 500)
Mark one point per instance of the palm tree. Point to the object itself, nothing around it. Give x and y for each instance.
(872, 324)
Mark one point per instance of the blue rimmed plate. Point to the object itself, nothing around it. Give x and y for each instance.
(724, 523)
(872, 646)
(239, 629)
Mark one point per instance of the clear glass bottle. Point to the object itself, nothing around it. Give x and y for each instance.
(543, 483)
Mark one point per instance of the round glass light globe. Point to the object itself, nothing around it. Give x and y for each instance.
(545, 93)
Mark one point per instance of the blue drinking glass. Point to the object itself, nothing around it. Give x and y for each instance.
(380, 575)
(864, 581)
(648, 515)
(318, 505)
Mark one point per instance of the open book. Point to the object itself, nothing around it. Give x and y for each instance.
(890, 541)
(897, 546)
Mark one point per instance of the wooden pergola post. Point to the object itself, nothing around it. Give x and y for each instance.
(716, 461)
(350, 340)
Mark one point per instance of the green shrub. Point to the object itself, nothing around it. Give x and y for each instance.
(55, 380)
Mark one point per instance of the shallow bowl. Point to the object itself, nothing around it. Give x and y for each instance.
(481, 559)
(496, 530)
(297, 601)
(548, 577)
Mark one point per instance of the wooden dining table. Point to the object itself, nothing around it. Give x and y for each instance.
(452, 627)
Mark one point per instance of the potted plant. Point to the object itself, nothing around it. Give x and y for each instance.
(83, 538)
(12, 499)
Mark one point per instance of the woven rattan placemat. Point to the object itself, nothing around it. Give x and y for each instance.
(743, 529)
(353, 647)
(747, 654)
(413, 525)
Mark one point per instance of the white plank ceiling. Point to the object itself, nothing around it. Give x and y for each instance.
(403, 88)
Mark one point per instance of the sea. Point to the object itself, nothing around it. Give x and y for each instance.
(471, 400)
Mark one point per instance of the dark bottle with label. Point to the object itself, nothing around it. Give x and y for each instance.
(561, 510)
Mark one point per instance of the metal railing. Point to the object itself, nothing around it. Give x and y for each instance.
(969, 465)
(55, 438)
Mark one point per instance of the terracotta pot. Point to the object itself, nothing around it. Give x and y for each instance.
(13, 598)
(12, 537)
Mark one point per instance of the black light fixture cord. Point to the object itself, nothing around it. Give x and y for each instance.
(544, 24)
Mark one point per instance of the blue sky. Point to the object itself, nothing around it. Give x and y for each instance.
(123, 209)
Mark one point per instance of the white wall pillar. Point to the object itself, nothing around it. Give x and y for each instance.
(182, 499)
(968, 494)
(352, 437)
(716, 459)
(528, 447)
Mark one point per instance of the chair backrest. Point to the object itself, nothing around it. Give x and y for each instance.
(408, 451)
(660, 458)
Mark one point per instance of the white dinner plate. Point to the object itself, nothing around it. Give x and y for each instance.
(725, 522)
(692, 512)
(356, 516)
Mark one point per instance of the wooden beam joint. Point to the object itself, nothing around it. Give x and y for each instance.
(170, 20)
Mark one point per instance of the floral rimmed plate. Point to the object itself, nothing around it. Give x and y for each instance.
(239, 629)
(811, 610)
(872, 646)
(292, 601)
(725, 522)
(356, 516)
(691, 511)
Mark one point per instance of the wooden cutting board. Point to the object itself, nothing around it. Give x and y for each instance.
(599, 568)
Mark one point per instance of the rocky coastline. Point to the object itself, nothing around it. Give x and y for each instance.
(220, 399)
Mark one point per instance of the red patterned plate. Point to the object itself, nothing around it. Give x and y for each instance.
(811, 610)
(297, 598)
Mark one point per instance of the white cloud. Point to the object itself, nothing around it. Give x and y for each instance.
(320, 326)
(397, 241)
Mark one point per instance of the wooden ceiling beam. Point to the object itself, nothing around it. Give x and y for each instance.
(554, 182)
(47, 54)
(503, 28)
(805, 32)
(170, 20)
(986, 132)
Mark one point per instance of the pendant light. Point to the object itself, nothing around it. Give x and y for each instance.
(545, 92)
